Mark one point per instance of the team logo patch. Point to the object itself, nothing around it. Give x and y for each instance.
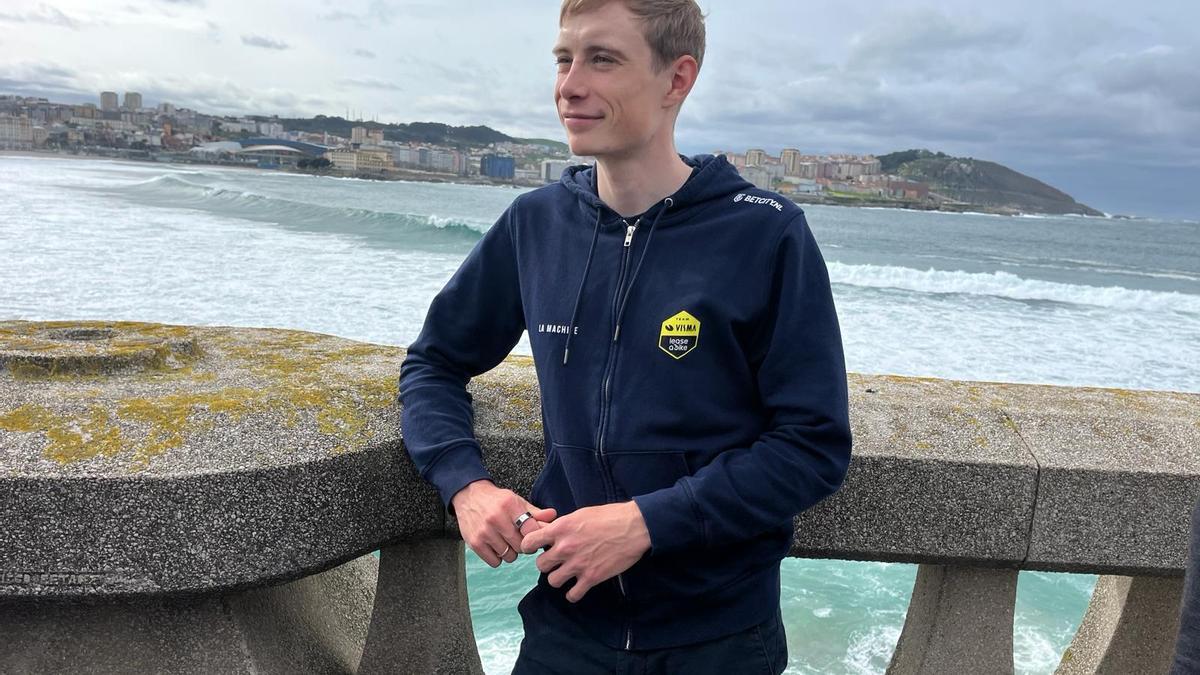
(679, 335)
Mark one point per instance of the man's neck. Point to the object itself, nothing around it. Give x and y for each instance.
(631, 185)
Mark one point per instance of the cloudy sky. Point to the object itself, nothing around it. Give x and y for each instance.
(1096, 97)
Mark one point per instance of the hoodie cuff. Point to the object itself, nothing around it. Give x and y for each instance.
(456, 468)
(671, 520)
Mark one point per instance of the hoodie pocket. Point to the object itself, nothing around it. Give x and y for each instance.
(639, 473)
(574, 482)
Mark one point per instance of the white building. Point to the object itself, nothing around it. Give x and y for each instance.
(271, 129)
(16, 133)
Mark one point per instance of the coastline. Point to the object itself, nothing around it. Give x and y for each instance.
(399, 174)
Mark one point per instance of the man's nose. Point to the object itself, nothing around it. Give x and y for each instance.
(572, 84)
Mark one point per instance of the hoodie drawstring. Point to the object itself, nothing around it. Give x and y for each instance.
(667, 203)
(579, 294)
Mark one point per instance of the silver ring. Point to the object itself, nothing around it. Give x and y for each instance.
(506, 550)
(521, 520)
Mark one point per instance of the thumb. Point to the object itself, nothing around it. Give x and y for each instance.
(543, 515)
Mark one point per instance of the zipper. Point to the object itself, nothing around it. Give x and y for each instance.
(630, 230)
(608, 368)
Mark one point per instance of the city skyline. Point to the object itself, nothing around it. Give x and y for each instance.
(1102, 105)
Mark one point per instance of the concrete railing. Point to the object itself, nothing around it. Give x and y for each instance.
(187, 500)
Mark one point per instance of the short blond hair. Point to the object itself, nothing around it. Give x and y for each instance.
(672, 28)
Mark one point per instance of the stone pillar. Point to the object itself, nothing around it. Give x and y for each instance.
(313, 625)
(422, 621)
(1130, 627)
(960, 620)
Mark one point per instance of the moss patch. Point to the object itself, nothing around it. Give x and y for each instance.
(294, 381)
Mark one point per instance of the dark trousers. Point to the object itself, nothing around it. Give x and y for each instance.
(557, 646)
(1187, 646)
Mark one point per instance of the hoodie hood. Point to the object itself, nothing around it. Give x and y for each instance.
(713, 177)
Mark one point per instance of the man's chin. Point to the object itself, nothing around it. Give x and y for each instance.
(580, 149)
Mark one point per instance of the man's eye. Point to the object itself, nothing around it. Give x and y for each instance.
(600, 58)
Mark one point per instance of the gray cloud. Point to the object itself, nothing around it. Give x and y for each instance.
(1085, 90)
(264, 42)
(959, 82)
(43, 79)
(368, 83)
(380, 13)
(43, 14)
(364, 53)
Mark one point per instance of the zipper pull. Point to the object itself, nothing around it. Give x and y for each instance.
(629, 231)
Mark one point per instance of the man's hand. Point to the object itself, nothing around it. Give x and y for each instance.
(591, 545)
(485, 519)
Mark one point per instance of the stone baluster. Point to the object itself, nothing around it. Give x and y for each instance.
(1130, 627)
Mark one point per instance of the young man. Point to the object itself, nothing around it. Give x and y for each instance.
(690, 366)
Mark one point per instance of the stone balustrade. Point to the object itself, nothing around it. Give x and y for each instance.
(198, 500)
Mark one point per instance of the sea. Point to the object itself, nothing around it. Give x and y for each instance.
(1062, 300)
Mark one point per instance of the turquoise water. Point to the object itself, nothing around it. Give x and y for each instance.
(840, 616)
(1052, 300)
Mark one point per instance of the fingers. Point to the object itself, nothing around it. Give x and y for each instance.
(560, 575)
(583, 584)
(547, 561)
(543, 515)
(486, 553)
(507, 553)
(535, 539)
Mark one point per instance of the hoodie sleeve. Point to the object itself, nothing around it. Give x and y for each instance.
(803, 454)
(472, 324)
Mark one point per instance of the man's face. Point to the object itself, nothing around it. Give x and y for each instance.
(609, 99)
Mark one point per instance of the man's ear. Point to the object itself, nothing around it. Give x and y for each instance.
(684, 71)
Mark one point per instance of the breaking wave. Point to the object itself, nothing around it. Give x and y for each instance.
(424, 231)
(1007, 285)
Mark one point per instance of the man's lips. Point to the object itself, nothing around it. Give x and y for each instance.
(576, 122)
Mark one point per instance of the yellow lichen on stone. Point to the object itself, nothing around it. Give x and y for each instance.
(297, 381)
(27, 418)
(68, 439)
(167, 417)
(28, 371)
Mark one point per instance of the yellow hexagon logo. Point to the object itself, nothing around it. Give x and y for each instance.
(679, 335)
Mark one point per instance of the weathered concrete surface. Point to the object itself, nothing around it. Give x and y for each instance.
(939, 474)
(1042, 477)
(421, 622)
(263, 456)
(1130, 627)
(960, 620)
(1119, 470)
(314, 625)
(236, 456)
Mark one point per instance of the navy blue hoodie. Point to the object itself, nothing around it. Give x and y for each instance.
(688, 359)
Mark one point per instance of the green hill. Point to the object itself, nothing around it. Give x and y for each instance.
(980, 182)
(420, 132)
